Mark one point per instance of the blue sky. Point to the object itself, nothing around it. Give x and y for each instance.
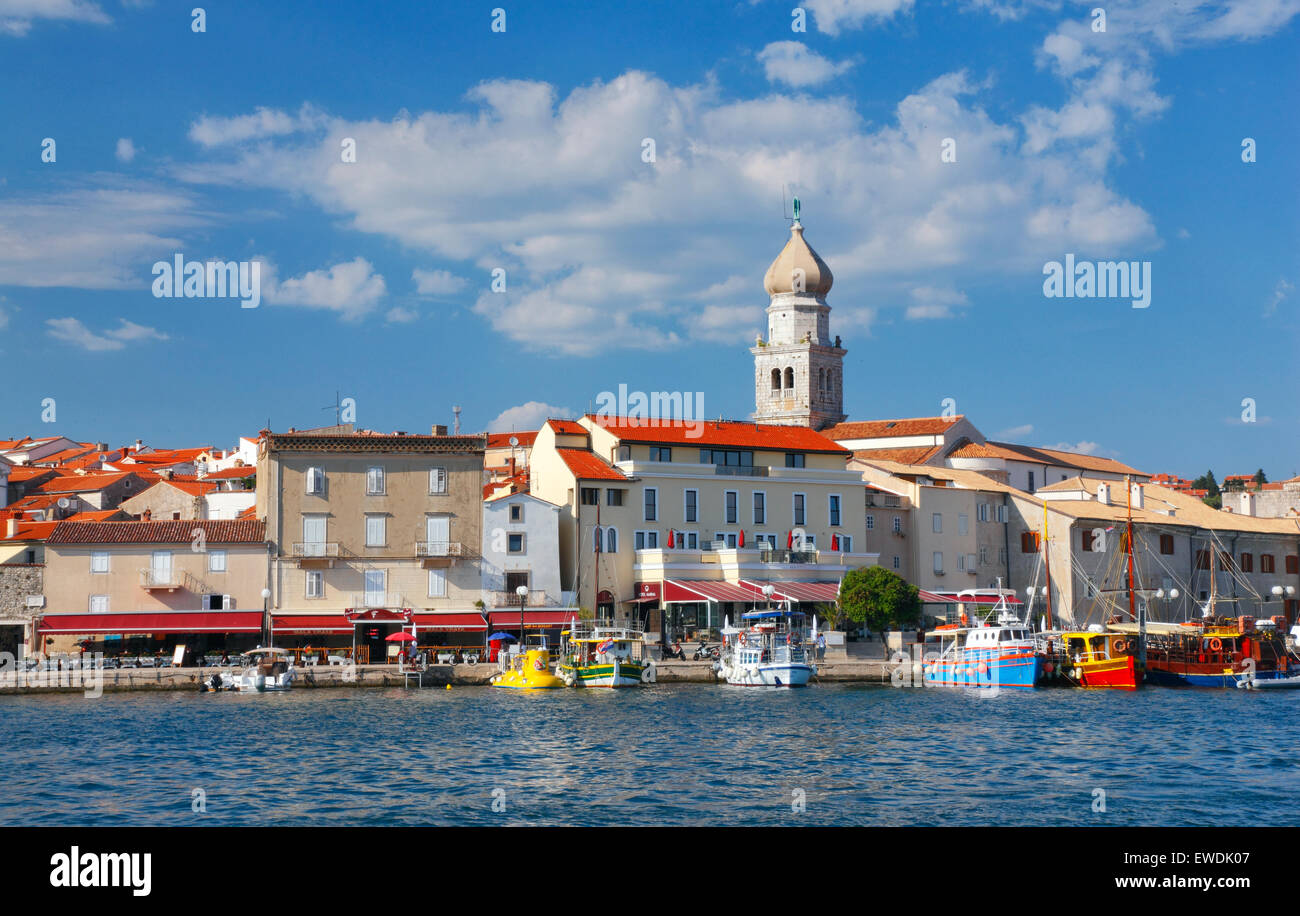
(522, 150)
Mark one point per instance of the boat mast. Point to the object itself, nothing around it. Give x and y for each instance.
(1132, 597)
(1047, 568)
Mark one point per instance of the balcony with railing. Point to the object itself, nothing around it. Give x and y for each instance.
(783, 555)
(315, 554)
(537, 597)
(368, 600)
(441, 549)
(170, 580)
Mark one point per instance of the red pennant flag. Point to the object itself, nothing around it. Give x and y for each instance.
(835, 542)
(789, 540)
(671, 541)
(742, 537)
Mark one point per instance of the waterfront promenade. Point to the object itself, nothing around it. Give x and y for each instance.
(853, 669)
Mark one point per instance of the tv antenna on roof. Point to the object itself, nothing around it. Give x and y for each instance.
(337, 407)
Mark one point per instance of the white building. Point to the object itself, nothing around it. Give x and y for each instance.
(521, 546)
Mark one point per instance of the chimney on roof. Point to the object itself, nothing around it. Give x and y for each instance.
(456, 412)
(1135, 495)
(11, 524)
(1103, 494)
(1248, 504)
(101, 446)
(439, 429)
(138, 445)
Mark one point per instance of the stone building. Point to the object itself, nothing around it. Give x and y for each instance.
(799, 368)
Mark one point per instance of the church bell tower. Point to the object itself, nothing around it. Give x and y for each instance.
(798, 370)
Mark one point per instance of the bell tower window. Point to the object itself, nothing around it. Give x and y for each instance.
(789, 378)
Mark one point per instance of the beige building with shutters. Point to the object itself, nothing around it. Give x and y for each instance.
(373, 528)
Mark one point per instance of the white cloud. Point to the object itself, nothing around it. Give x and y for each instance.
(105, 234)
(437, 282)
(17, 16)
(351, 288)
(527, 417)
(1078, 448)
(791, 62)
(401, 315)
(730, 324)
(72, 331)
(125, 150)
(833, 15)
(214, 130)
(1013, 432)
(1280, 292)
(935, 302)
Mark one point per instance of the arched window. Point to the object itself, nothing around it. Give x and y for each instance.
(597, 536)
(789, 377)
(611, 540)
(776, 379)
(821, 379)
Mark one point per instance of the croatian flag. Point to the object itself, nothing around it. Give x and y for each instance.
(605, 646)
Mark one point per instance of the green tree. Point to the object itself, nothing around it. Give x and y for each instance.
(1213, 496)
(1260, 478)
(879, 597)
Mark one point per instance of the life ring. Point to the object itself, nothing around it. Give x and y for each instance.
(537, 665)
(1121, 645)
(1215, 644)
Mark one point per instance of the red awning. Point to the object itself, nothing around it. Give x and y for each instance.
(155, 622)
(805, 592)
(932, 598)
(460, 621)
(311, 623)
(551, 617)
(682, 591)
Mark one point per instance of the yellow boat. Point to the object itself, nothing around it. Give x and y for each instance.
(530, 670)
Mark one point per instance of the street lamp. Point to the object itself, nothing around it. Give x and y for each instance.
(266, 616)
(522, 592)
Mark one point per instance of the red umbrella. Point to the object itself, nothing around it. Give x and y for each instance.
(789, 540)
(401, 636)
(742, 537)
(671, 542)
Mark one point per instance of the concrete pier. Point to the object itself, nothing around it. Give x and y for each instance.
(862, 670)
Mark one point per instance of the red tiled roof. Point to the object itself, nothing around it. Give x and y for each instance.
(84, 483)
(882, 429)
(586, 466)
(192, 487)
(567, 427)
(231, 474)
(19, 473)
(976, 450)
(29, 531)
(101, 515)
(502, 440)
(250, 512)
(237, 531)
(918, 454)
(723, 433)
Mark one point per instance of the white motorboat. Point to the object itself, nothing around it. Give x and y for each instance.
(771, 651)
(1250, 682)
(268, 669)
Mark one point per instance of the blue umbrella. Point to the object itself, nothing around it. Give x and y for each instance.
(500, 635)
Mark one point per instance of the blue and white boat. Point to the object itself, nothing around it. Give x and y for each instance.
(769, 649)
(985, 655)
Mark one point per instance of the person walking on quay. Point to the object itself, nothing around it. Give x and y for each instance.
(821, 646)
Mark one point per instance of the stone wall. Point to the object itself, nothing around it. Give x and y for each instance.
(17, 581)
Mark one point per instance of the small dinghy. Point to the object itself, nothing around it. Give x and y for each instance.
(1269, 683)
